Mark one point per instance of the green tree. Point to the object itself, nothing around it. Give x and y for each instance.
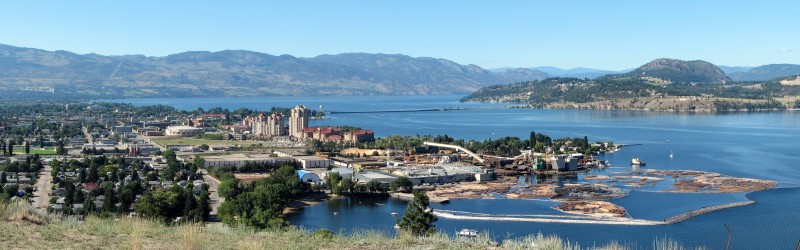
(402, 184)
(109, 201)
(60, 148)
(92, 175)
(88, 205)
(27, 148)
(204, 204)
(11, 190)
(69, 191)
(348, 186)
(332, 180)
(150, 206)
(199, 162)
(228, 189)
(10, 147)
(374, 186)
(418, 219)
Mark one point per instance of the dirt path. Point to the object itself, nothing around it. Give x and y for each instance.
(213, 195)
(41, 196)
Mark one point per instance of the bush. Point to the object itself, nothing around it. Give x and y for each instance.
(324, 234)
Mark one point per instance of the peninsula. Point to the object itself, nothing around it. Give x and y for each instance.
(661, 85)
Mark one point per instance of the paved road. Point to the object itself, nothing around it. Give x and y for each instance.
(212, 190)
(41, 196)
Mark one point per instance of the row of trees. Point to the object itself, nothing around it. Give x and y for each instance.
(749, 106)
(504, 146)
(32, 163)
(346, 186)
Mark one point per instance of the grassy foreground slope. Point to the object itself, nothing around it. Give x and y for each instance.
(23, 227)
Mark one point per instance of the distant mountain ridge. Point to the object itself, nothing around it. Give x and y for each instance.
(578, 72)
(767, 72)
(733, 69)
(246, 73)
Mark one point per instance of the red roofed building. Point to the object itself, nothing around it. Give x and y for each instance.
(320, 133)
(334, 138)
(90, 185)
(359, 135)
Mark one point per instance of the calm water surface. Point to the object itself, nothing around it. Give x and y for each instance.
(759, 145)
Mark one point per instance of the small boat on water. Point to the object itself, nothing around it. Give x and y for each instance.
(394, 213)
(470, 233)
(638, 162)
(670, 154)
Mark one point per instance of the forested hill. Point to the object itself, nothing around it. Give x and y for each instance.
(662, 84)
(239, 73)
(681, 71)
(638, 93)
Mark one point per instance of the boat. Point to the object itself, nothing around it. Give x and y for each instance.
(394, 213)
(637, 161)
(471, 233)
(670, 154)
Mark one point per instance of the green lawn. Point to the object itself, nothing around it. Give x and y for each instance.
(35, 150)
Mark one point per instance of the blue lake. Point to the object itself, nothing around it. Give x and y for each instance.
(763, 145)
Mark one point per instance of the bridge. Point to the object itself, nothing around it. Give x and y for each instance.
(459, 148)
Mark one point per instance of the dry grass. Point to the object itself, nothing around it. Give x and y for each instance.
(19, 232)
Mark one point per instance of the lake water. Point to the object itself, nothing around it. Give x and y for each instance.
(762, 145)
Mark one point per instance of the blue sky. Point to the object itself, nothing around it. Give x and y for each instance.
(598, 34)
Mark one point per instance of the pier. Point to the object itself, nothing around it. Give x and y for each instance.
(455, 215)
(687, 215)
(573, 219)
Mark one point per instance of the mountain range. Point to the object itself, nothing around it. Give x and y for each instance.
(247, 73)
(771, 71)
(578, 72)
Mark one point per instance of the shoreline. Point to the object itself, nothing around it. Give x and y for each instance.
(307, 200)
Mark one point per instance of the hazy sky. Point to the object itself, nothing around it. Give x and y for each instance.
(599, 34)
